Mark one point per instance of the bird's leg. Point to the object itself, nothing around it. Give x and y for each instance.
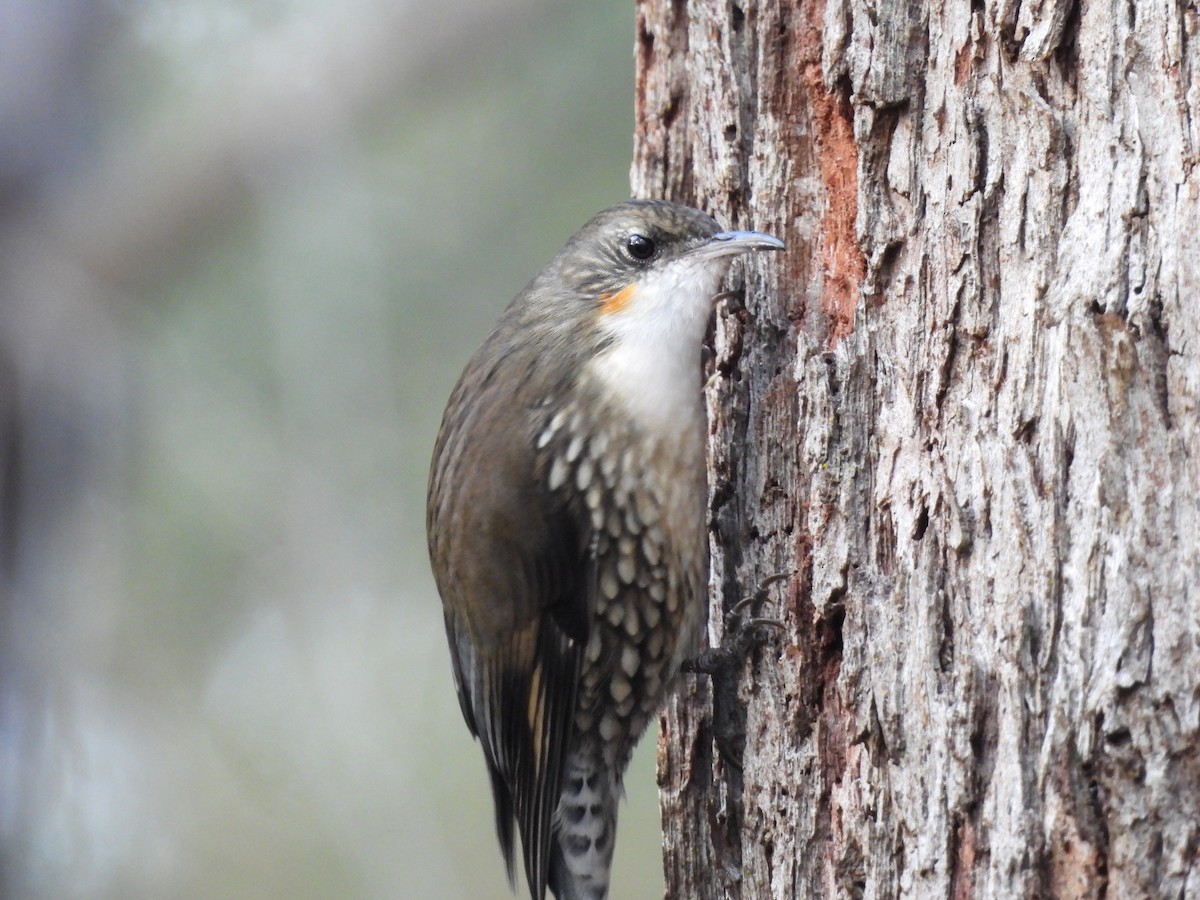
(743, 633)
(737, 298)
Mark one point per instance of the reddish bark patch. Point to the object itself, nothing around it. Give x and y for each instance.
(962, 861)
(837, 160)
(962, 64)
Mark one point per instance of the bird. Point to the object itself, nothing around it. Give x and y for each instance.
(566, 524)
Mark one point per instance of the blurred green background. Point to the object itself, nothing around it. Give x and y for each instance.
(245, 248)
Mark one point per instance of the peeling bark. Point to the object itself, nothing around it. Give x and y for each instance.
(962, 411)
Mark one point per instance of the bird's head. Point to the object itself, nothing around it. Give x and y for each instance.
(643, 271)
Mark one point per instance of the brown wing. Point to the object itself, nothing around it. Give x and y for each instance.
(511, 568)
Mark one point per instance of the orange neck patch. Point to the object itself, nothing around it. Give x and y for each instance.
(615, 301)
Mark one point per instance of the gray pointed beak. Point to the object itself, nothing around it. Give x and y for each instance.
(731, 243)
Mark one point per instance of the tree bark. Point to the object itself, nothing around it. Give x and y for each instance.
(961, 412)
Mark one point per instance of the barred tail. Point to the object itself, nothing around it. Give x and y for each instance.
(585, 831)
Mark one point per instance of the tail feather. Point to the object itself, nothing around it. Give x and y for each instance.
(585, 831)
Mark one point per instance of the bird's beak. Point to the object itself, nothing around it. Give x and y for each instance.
(731, 243)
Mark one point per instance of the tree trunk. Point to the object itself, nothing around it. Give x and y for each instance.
(961, 412)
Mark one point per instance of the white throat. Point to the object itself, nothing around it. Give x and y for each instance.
(653, 363)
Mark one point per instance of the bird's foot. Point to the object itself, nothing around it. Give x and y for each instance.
(745, 630)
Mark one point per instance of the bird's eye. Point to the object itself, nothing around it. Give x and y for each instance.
(639, 246)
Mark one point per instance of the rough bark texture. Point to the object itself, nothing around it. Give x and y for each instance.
(962, 411)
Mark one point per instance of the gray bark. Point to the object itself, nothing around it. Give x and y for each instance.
(961, 411)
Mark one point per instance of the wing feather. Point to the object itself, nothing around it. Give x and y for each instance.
(510, 564)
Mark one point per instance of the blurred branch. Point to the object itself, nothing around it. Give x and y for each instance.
(124, 217)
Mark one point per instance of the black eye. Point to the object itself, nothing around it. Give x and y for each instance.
(639, 246)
